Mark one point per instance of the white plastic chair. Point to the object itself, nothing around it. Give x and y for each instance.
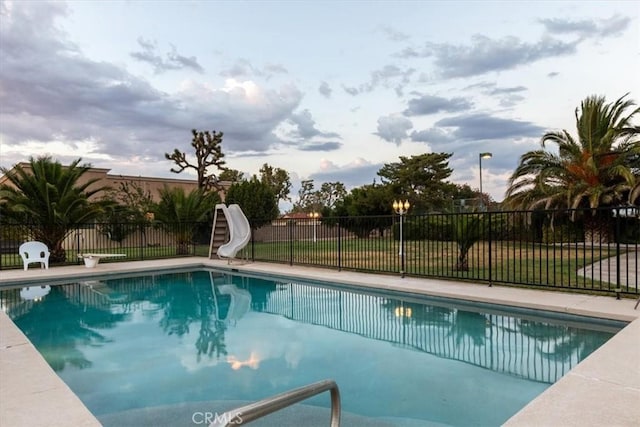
(34, 252)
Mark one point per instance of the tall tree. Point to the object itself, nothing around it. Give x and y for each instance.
(307, 198)
(50, 200)
(331, 193)
(421, 179)
(130, 205)
(134, 197)
(208, 152)
(256, 199)
(367, 208)
(231, 175)
(599, 168)
(278, 179)
(464, 198)
(323, 200)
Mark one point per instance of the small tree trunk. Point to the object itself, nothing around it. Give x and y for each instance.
(462, 263)
(182, 248)
(58, 255)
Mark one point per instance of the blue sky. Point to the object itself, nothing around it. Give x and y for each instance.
(327, 90)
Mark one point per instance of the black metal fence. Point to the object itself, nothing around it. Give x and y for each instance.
(587, 250)
(135, 241)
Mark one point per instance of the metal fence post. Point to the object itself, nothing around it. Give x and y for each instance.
(490, 257)
(79, 250)
(141, 240)
(339, 246)
(290, 242)
(401, 249)
(193, 241)
(253, 246)
(618, 287)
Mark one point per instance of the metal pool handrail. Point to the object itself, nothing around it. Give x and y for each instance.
(272, 404)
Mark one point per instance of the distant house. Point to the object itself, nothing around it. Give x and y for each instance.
(151, 184)
(303, 218)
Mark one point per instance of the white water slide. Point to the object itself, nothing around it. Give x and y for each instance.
(239, 231)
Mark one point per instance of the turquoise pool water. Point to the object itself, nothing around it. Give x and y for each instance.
(212, 337)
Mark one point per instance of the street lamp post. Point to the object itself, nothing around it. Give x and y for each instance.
(314, 217)
(481, 156)
(401, 209)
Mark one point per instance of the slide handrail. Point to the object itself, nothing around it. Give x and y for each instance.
(272, 404)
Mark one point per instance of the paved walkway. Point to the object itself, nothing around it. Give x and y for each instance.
(606, 270)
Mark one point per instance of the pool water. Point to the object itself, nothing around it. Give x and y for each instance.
(213, 337)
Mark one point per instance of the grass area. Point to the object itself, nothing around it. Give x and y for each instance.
(503, 262)
(511, 262)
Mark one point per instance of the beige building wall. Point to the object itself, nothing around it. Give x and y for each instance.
(151, 184)
(89, 239)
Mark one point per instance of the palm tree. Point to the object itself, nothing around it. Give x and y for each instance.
(179, 213)
(467, 229)
(49, 201)
(634, 195)
(598, 169)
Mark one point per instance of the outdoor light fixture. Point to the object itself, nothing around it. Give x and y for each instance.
(401, 209)
(481, 156)
(314, 217)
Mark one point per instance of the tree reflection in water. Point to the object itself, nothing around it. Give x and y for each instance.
(56, 336)
(469, 324)
(188, 298)
(211, 340)
(562, 343)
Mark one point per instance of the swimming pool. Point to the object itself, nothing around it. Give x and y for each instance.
(217, 337)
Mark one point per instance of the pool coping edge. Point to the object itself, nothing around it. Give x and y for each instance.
(612, 372)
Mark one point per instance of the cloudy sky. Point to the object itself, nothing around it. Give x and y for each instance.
(328, 90)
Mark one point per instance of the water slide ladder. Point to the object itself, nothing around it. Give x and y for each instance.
(220, 231)
(230, 233)
(253, 411)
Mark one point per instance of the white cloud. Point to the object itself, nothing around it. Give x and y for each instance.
(503, 74)
(393, 128)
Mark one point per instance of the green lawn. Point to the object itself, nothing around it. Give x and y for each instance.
(511, 262)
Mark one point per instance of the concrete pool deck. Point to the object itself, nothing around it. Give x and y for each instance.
(602, 390)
